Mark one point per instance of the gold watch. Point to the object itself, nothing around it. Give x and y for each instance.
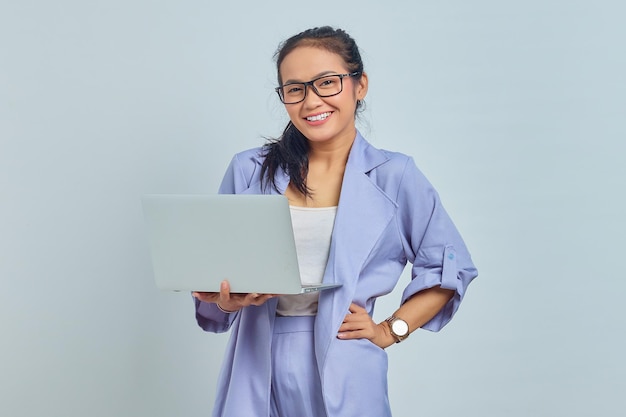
(399, 328)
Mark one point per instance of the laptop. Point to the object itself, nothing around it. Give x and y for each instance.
(197, 241)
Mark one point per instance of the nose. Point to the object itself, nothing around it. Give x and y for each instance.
(311, 98)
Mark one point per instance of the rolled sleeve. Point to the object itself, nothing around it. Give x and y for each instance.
(433, 245)
(448, 275)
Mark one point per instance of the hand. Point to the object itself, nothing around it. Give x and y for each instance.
(232, 302)
(359, 325)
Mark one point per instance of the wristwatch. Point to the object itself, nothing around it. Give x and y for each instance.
(399, 328)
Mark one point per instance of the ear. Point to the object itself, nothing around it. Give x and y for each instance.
(361, 87)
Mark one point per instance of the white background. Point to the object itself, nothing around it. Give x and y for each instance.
(514, 110)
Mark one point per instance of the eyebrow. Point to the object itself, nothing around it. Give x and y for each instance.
(321, 74)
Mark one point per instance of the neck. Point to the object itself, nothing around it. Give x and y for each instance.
(331, 153)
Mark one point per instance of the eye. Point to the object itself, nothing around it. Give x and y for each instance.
(293, 89)
(327, 82)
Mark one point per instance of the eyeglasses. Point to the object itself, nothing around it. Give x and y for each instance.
(326, 86)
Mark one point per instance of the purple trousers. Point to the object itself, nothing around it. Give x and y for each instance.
(296, 388)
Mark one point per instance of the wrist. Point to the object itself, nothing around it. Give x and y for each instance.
(223, 310)
(398, 328)
(386, 338)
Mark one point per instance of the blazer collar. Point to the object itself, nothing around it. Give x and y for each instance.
(364, 157)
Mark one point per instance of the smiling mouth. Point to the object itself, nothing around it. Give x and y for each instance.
(317, 118)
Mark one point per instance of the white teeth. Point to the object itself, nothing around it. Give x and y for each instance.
(318, 117)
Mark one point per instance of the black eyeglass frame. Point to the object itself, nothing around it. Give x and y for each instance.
(312, 85)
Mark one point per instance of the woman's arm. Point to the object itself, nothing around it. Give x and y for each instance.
(442, 267)
(416, 311)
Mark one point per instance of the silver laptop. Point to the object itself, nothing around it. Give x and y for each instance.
(196, 241)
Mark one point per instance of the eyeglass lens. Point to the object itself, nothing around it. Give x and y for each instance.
(327, 86)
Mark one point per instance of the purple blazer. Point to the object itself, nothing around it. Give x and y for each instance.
(388, 214)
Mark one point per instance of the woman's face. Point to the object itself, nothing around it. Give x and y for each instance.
(322, 119)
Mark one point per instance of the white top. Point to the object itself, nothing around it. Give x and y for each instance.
(312, 230)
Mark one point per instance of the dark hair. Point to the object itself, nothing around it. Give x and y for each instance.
(290, 151)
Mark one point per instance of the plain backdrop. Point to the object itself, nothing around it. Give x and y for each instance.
(514, 110)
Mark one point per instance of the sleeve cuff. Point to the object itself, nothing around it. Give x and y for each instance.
(448, 277)
(211, 318)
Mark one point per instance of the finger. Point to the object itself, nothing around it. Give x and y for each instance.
(257, 299)
(207, 297)
(353, 317)
(357, 334)
(263, 298)
(358, 324)
(253, 296)
(355, 308)
(351, 327)
(224, 291)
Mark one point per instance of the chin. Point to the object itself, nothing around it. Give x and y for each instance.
(320, 133)
(318, 136)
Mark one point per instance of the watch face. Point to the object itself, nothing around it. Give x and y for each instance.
(400, 327)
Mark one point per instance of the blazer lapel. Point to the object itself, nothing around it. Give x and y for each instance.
(281, 178)
(363, 214)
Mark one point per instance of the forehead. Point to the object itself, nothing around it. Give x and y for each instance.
(306, 62)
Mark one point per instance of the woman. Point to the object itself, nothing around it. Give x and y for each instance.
(359, 215)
